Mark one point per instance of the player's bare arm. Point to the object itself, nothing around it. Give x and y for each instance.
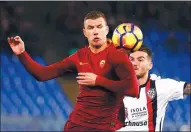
(39, 72)
(187, 89)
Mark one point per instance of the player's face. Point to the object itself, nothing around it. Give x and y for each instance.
(141, 63)
(96, 31)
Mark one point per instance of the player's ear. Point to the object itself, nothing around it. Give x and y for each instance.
(150, 65)
(107, 30)
(84, 31)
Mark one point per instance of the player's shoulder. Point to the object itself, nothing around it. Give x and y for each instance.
(163, 85)
(82, 51)
(167, 83)
(165, 80)
(158, 79)
(116, 56)
(78, 54)
(168, 86)
(113, 50)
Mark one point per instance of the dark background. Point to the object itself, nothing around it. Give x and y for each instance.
(53, 30)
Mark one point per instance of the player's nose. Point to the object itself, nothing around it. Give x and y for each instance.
(134, 63)
(95, 32)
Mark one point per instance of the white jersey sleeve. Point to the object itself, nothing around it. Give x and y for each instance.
(154, 77)
(173, 90)
(148, 111)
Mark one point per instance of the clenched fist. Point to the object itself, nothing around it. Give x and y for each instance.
(16, 44)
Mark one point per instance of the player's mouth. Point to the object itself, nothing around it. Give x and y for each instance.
(96, 39)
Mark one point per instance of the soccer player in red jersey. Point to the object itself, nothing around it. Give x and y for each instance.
(105, 75)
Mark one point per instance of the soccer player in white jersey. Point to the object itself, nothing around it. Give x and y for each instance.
(147, 112)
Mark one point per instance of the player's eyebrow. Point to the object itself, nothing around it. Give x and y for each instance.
(131, 57)
(90, 26)
(141, 57)
(99, 25)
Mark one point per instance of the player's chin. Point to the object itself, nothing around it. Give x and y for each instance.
(138, 74)
(97, 44)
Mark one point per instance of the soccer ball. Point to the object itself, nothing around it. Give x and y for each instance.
(128, 37)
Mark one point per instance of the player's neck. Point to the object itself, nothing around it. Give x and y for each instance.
(97, 49)
(143, 80)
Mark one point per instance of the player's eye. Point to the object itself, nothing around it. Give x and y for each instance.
(131, 59)
(90, 27)
(141, 60)
(100, 26)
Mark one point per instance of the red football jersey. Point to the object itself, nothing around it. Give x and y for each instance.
(96, 106)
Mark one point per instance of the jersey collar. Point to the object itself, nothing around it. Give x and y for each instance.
(144, 85)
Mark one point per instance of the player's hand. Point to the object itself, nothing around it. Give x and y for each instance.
(86, 78)
(16, 44)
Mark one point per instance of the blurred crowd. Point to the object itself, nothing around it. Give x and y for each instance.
(53, 30)
(56, 27)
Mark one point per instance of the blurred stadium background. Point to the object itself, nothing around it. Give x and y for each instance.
(53, 30)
